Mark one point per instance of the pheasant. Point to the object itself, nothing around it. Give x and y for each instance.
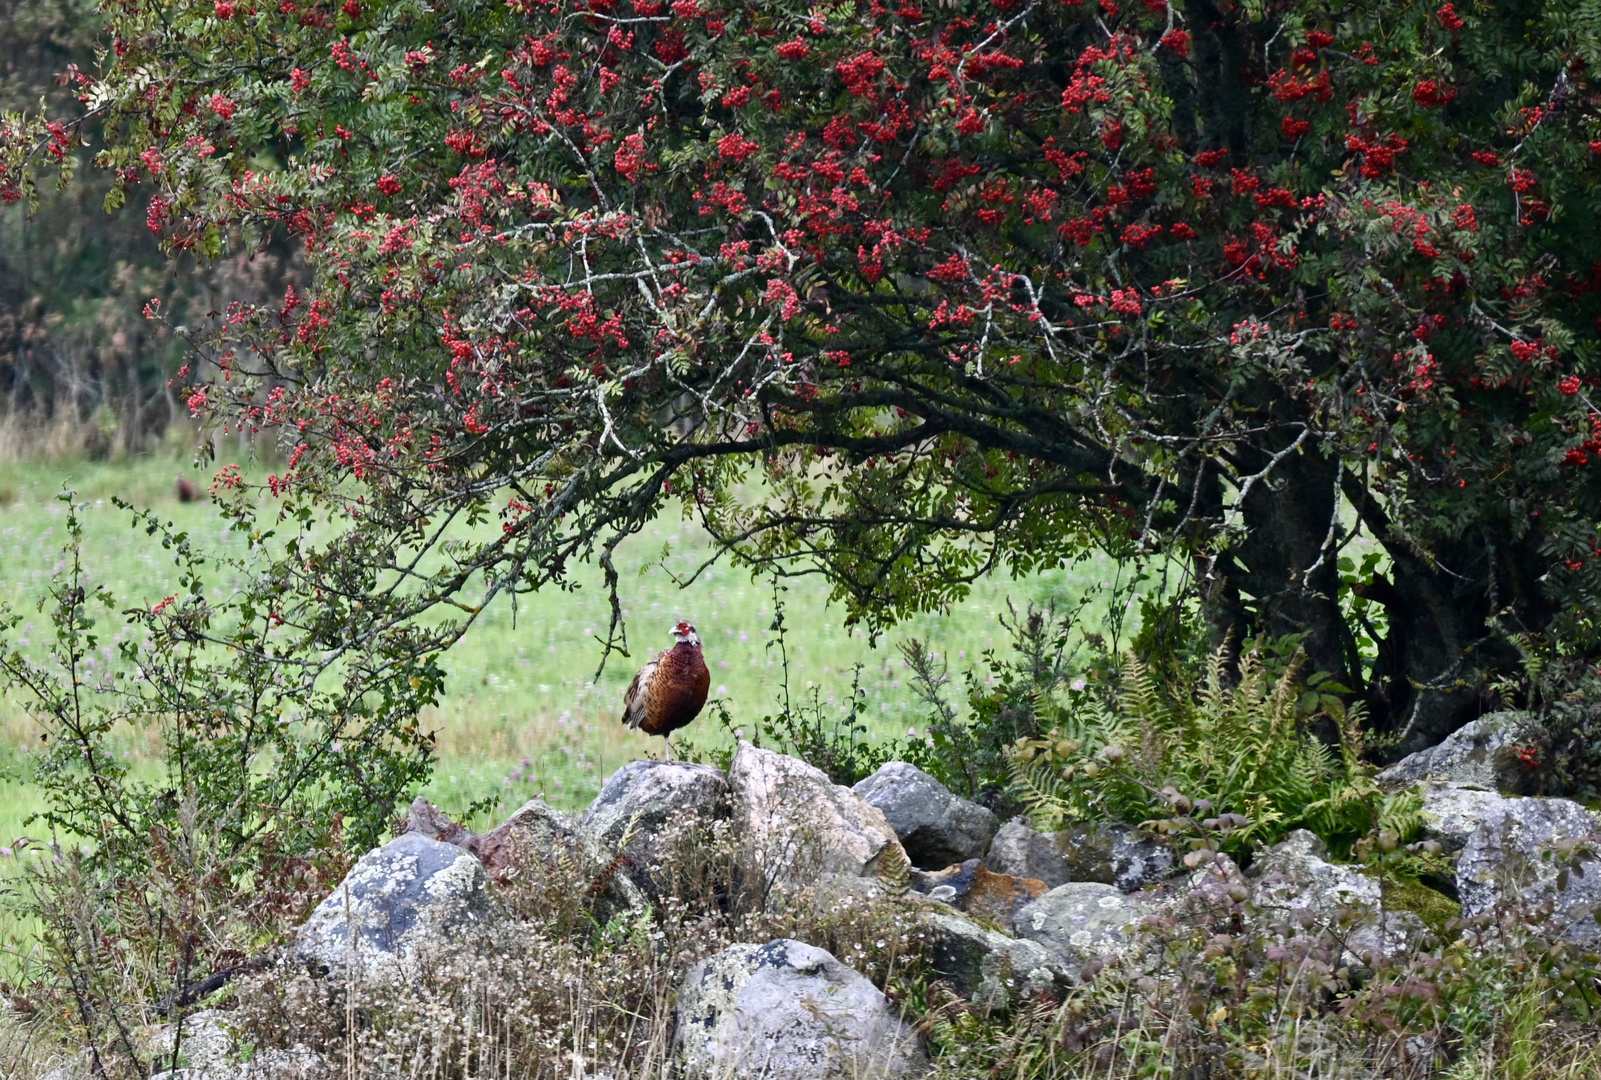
(669, 691)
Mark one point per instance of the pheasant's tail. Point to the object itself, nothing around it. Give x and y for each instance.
(634, 699)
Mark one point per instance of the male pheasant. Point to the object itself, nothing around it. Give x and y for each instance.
(669, 691)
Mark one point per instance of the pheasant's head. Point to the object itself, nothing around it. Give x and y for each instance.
(686, 633)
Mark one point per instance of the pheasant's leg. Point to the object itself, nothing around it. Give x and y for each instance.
(667, 745)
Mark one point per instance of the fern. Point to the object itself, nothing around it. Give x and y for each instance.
(1228, 765)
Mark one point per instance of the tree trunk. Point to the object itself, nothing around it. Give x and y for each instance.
(1442, 653)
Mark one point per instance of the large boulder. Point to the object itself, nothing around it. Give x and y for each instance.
(973, 888)
(993, 970)
(1295, 875)
(789, 1011)
(1212, 897)
(795, 824)
(1482, 753)
(1453, 812)
(936, 828)
(1297, 887)
(653, 812)
(537, 843)
(1536, 853)
(395, 905)
(1082, 921)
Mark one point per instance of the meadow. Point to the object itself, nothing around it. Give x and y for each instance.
(525, 712)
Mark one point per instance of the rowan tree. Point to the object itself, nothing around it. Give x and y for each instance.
(960, 287)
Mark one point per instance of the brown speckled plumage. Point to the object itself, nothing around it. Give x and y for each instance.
(670, 691)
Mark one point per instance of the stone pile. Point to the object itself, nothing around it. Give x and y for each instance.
(1009, 911)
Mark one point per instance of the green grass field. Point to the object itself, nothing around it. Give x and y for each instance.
(524, 713)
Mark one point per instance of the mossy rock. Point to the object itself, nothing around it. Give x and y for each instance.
(1434, 908)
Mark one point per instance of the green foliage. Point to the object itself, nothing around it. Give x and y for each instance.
(1244, 994)
(268, 767)
(1229, 762)
(257, 754)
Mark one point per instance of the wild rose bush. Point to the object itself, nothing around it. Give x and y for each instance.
(961, 286)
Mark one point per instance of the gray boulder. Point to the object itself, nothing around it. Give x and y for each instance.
(1113, 854)
(536, 843)
(1212, 896)
(397, 902)
(650, 812)
(1082, 921)
(1482, 753)
(936, 828)
(795, 824)
(536, 847)
(1088, 851)
(1453, 812)
(207, 1043)
(789, 1011)
(1295, 875)
(299, 1063)
(1534, 854)
(993, 970)
(1296, 886)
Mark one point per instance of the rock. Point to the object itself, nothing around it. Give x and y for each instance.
(1082, 921)
(972, 888)
(1089, 851)
(1482, 753)
(1210, 897)
(935, 827)
(993, 970)
(789, 1011)
(1533, 853)
(1295, 874)
(407, 895)
(1295, 880)
(299, 1063)
(209, 1050)
(208, 1043)
(654, 812)
(1021, 851)
(536, 841)
(1113, 854)
(1452, 812)
(795, 824)
(428, 820)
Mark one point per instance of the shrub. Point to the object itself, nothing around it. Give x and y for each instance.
(271, 764)
(1016, 699)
